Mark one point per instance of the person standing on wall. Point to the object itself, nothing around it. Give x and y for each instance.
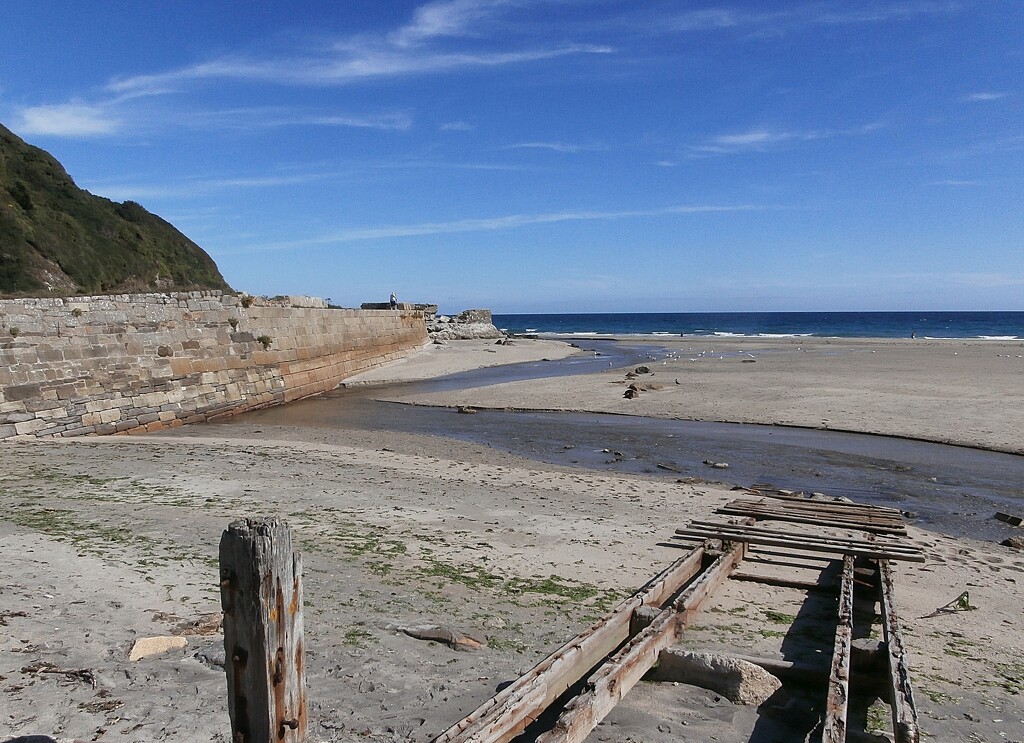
(394, 301)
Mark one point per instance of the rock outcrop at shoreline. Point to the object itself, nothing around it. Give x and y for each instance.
(467, 325)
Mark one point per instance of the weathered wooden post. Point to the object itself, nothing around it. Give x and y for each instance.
(261, 594)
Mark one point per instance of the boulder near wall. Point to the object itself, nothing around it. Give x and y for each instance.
(143, 362)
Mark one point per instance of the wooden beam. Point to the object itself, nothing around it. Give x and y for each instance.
(777, 495)
(261, 594)
(836, 706)
(904, 711)
(510, 711)
(847, 510)
(800, 585)
(766, 514)
(834, 545)
(622, 672)
(753, 529)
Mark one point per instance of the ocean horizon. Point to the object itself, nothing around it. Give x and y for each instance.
(945, 325)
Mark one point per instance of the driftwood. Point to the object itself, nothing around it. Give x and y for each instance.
(82, 674)
(449, 636)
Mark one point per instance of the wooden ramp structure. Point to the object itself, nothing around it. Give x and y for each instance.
(582, 681)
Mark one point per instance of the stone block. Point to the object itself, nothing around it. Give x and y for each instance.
(81, 431)
(22, 391)
(66, 391)
(29, 427)
(181, 367)
(109, 416)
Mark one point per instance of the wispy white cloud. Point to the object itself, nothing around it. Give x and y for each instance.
(352, 62)
(507, 222)
(277, 117)
(192, 187)
(446, 18)
(987, 96)
(565, 147)
(755, 140)
(416, 48)
(766, 139)
(955, 183)
(774, 22)
(67, 120)
(456, 126)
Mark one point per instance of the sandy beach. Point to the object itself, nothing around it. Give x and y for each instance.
(108, 540)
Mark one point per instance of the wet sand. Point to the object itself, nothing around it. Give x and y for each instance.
(106, 540)
(950, 391)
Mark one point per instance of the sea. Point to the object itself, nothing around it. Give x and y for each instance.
(981, 325)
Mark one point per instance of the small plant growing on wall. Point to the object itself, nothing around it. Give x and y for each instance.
(14, 330)
(77, 312)
(265, 340)
(247, 301)
(233, 322)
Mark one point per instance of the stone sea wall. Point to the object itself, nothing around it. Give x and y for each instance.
(143, 362)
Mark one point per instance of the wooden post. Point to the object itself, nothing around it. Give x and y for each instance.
(261, 594)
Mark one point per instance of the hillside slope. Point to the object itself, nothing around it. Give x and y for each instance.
(56, 238)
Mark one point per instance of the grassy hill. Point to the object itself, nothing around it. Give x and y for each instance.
(56, 238)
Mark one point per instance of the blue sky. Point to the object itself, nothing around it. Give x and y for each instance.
(552, 155)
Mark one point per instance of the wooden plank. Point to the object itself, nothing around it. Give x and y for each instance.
(810, 545)
(904, 711)
(826, 507)
(731, 531)
(800, 585)
(836, 503)
(510, 711)
(261, 594)
(789, 509)
(727, 531)
(622, 672)
(752, 529)
(811, 518)
(836, 706)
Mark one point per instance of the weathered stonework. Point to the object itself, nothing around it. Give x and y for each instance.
(144, 362)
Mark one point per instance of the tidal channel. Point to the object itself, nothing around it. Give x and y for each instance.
(951, 489)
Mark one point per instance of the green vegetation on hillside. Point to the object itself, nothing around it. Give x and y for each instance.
(56, 238)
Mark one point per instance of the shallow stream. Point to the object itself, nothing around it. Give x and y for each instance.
(951, 489)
